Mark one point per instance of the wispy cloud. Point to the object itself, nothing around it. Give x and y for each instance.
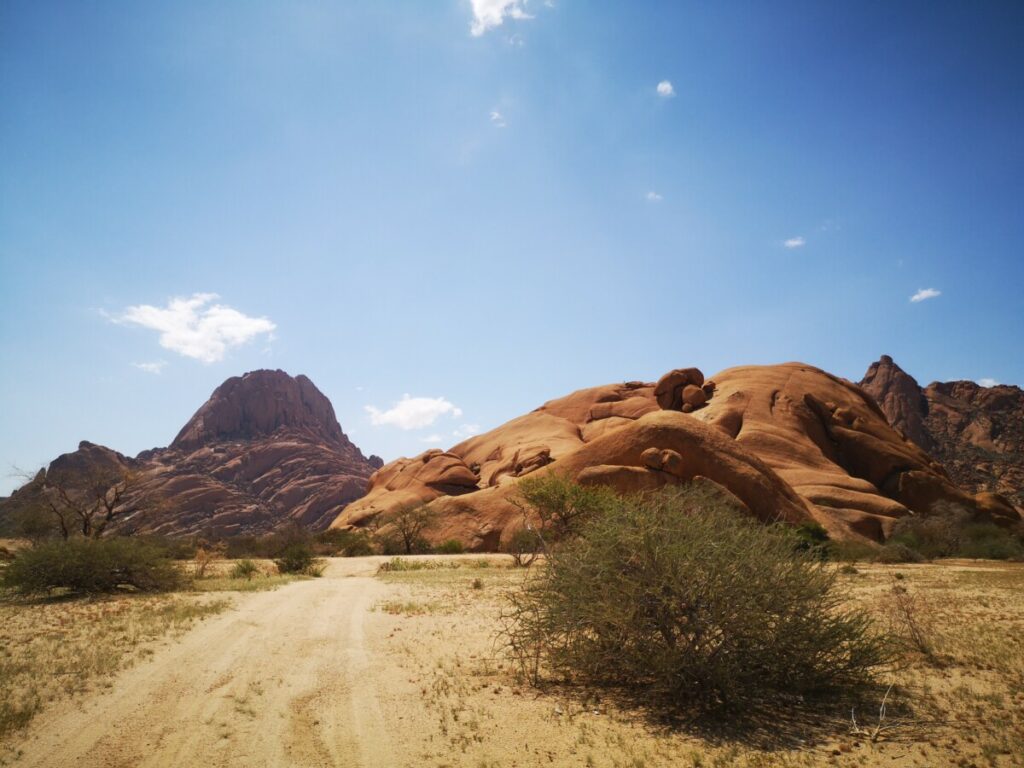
(665, 89)
(156, 366)
(413, 412)
(497, 119)
(488, 14)
(466, 430)
(988, 382)
(196, 327)
(924, 294)
(795, 242)
(653, 197)
(432, 439)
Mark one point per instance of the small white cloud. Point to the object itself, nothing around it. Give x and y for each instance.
(795, 242)
(155, 367)
(432, 439)
(497, 119)
(465, 431)
(988, 383)
(488, 14)
(653, 197)
(925, 293)
(516, 40)
(194, 327)
(665, 89)
(413, 412)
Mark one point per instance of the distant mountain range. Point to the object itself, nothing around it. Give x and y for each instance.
(786, 442)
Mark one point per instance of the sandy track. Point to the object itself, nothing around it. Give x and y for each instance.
(282, 680)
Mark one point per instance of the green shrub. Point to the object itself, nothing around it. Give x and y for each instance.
(934, 535)
(851, 551)
(898, 552)
(91, 566)
(524, 545)
(450, 547)
(560, 505)
(398, 564)
(677, 599)
(338, 542)
(812, 538)
(297, 557)
(245, 569)
(990, 542)
(949, 531)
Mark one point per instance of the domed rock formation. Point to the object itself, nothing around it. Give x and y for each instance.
(498, 457)
(832, 444)
(789, 441)
(266, 449)
(976, 432)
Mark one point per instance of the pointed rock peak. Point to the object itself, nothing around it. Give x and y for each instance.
(901, 399)
(885, 369)
(258, 404)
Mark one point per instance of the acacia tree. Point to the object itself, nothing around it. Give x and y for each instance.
(410, 524)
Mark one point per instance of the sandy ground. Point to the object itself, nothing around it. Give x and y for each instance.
(281, 680)
(402, 669)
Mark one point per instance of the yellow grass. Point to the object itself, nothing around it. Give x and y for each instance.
(58, 648)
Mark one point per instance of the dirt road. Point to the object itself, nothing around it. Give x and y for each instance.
(282, 680)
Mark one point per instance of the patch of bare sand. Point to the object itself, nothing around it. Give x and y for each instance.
(282, 680)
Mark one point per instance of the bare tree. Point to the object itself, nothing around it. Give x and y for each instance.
(89, 502)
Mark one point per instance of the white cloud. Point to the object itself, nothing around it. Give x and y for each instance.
(195, 327)
(795, 242)
(413, 412)
(432, 439)
(465, 431)
(155, 367)
(488, 14)
(665, 89)
(988, 382)
(925, 293)
(498, 119)
(653, 197)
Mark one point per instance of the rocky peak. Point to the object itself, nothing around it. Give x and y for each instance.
(257, 404)
(900, 398)
(976, 432)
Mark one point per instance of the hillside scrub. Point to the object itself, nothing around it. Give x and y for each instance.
(679, 600)
(950, 531)
(92, 566)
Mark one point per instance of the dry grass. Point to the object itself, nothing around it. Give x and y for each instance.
(961, 704)
(217, 578)
(58, 648)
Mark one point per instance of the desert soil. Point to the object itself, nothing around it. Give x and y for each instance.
(283, 679)
(401, 669)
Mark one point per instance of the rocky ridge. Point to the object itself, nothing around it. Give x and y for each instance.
(976, 432)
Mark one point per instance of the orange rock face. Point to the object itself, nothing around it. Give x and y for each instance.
(790, 442)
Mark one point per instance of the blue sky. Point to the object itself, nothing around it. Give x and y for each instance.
(483, 205)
